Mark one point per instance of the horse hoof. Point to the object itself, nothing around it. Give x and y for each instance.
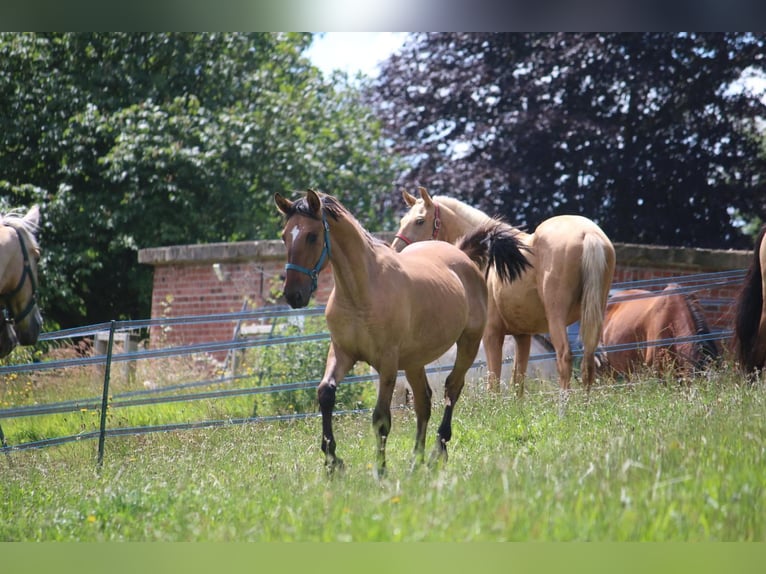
(439, 455)
(379, 472)
(334, 465)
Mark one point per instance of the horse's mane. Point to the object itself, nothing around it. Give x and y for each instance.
(335, 209)
(15, 218)
(708, 348)
(463, 210)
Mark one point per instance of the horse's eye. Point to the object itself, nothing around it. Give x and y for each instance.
(420, 221)
(311, 238)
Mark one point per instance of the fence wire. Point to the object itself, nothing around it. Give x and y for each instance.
(686, 284)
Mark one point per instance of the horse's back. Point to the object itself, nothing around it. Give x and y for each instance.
(430, 261)
(446, 299)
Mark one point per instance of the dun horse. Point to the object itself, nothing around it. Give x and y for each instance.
(654, 321)
(571, 266)
(750, 314)
(20, 320)
(393, 311)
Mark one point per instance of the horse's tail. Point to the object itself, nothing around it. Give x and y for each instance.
(495, 244)
(594, 266)
(748, 311)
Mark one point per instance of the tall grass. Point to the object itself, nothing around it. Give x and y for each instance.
(650, 461)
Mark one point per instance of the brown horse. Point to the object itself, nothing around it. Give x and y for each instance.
(650, 323)
(572, 263)
(750, 315)
(391, 310)
(19, 252)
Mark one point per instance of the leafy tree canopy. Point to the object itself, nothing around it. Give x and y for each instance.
(643, 133)
(144, 140)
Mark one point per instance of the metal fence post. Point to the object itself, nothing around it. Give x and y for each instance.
(105, 396)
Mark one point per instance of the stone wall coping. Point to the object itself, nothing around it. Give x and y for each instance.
(262, 250)
(680, 258)
(236, 251)
(628, 254)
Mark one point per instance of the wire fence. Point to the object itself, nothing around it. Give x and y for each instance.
(219, 387)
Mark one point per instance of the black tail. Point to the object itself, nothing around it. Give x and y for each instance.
(496, 244)
(748, 311)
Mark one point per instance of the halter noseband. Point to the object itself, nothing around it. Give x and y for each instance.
(437, 226)
(314, 273)
(26, 272)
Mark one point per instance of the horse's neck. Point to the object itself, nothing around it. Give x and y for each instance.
(353, 262)
(459, 219)
(454, 221)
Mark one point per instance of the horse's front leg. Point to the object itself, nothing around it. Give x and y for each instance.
(381, 415)
(338, 364)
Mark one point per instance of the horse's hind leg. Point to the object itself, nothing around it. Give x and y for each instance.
(520, 362)
(467, 347)
(493, 349)
(558, 334)
(421, 396)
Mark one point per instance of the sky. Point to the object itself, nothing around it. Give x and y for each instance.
(354, 52)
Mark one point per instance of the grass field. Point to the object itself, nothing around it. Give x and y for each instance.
(647, 462)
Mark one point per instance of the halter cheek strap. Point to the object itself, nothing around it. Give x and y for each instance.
(323, 257)
(437, 226)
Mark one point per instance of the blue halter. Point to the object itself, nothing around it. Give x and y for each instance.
(313, 273)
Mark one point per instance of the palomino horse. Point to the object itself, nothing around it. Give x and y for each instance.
(750, 315)
(393, 311)
(572, 263)
(19, 253)
(635, 317)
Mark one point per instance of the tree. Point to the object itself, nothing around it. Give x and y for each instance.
(640, 132)
(146, 140)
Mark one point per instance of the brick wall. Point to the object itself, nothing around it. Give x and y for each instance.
(215, 278)
(186, 282)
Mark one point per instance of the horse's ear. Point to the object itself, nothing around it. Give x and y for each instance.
(424, 194)
(33, 216)
(315, 204)
(283, 204)
(409, 199)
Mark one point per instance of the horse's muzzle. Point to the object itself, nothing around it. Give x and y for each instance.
(297, 298)
(28, 330)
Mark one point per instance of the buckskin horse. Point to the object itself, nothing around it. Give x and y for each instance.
(20, 319)
(750, 312)
(659, 326)
(391, 310)
(571, 267)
